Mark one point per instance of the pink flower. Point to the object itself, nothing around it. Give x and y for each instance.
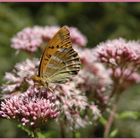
(32, 108)
(94, 78)
(127, 75)
(30, 39)
(93, 72)
(122, 58)
(87, 56)
(49, 32)
(77, 37)
(20, 77)
(72, 101)
(119, 52)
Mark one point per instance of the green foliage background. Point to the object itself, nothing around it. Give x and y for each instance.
(99, 22)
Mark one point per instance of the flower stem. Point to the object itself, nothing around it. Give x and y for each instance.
(74, 131)
(111, 118)
(62, 129)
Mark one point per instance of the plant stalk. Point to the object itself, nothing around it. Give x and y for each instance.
(111, 118)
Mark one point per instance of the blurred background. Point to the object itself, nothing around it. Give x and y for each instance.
(98, 22)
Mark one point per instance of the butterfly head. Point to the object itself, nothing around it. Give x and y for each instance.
(39, 80)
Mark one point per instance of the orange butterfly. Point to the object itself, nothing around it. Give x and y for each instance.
(59, 61)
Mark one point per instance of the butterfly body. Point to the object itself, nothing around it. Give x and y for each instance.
(40, 80)
(59, 61)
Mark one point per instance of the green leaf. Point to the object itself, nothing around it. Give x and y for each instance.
(103, 120)
(40, 135)
(113, 133)
(29, 132)
(129, 114)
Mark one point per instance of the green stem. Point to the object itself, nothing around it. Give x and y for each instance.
(34, 134)
(38, 133)
(111, 118)
(73, 132)
(62, 129)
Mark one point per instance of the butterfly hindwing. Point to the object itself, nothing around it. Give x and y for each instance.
(68, 64)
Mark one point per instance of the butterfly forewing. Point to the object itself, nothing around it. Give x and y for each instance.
(61, 39)
(59, 60)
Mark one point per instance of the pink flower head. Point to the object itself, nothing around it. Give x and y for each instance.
(93, 78)
(29, 39)
(32, 108)
(77, 37)
(93, 72)
(72, 101)
(20, 77)
(119, 52)
(122, 58)
(127, 75)
(87, 56)
(49, 32)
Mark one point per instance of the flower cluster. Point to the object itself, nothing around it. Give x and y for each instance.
(20, 78)
(32, 108)
(77, 37)
(72, 102)
(70, 99)
(94, 78)
(23, 101)
(111, 65)
(119, 52)
(122, 58)
(91, 65)
(31, 38)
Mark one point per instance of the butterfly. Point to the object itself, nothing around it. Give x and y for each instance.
(59, 61)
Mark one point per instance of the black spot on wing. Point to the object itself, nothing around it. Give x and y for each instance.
(75, 54)
(74, 72)
(49, 55)
(51, 47)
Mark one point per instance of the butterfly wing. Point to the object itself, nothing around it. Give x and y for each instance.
(64, 64)
(59, 61)
(61, 39)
